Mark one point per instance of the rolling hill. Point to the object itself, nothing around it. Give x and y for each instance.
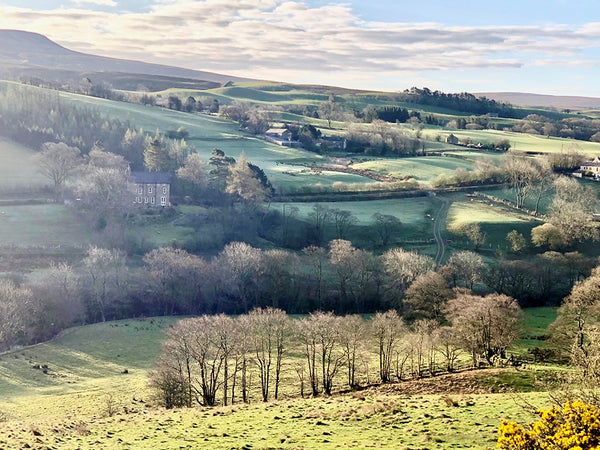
(543, 101)
(26, 53)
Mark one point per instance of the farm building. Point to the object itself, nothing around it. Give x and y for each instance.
(451, 139)
(590, 168)
(279, 136)
(151, 189)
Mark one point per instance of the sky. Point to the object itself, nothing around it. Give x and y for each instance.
(538, 46)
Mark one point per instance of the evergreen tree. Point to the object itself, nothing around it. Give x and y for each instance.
(243, 183)
(156, 157)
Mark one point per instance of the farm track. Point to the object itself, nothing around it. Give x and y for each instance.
(438, 221)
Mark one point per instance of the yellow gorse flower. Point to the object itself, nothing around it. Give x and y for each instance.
(575, 426)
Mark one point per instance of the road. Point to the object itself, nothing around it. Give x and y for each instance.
(439, 224)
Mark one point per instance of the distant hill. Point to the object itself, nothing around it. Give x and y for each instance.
(543, 101)
(29, 53)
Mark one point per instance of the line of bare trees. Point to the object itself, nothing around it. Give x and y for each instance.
(217, 359)
(107, 285)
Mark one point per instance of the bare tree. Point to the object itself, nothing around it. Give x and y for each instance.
(174, 376)
(576, 325)
(175, 279)
(422, 345)
(472, 231)
(320, 216)
(103, 189)
(356, 270)
(224, 330)
(316, 257)
(280, 277)
(207, 350)
(517, 241)
(388, 328)
(106, 269)
(343, 221)
(56, 298)
(448, 346)
(241, 266)
(548, 235)
(58, 162)
(385, 226)
(402, 268)
(522, 174)
(427, 296)
(329, 110)
(485, 326)
(306, 335)
(319, 335)
(341, 256)
(268, 329)
(543, 181)
(465, 267)
(352, 335)
(572, 208)
(15, 310)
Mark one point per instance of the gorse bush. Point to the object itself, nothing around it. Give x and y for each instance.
(575, 426)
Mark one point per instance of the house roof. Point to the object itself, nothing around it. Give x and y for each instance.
(277, 131)
(591, 164)
(151, 177)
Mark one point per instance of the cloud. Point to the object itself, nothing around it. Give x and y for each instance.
(294, 41)
(95, 2)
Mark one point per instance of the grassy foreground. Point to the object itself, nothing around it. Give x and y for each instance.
(88, 388)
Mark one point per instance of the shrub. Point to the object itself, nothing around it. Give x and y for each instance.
(574, 426)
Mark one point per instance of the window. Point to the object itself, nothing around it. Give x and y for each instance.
(140, 190)
(164, 190)
(163, 201)
(152, 200)
(145, 199)
(149, 189)
(138, 200)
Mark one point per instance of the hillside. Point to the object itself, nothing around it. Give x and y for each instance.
(543, 101)
(24, 52)
(73, 392)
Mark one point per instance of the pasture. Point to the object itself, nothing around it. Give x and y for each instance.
(18, 172)
(494, 220)
(422, 168)
(83, 398)
(45, 225)
(415, 215)
(464, 213)
(522, 142)
(410, 211)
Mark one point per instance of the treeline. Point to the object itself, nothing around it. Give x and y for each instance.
(108, 285)
(380, 139)
(464, 102)
(574, 128)
(213, 360)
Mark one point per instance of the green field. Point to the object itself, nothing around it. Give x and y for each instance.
(41, 225)
(523, 142)
(424, 168)
(18, 172)
(410, 211)
(68, 405)
(464, 213)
